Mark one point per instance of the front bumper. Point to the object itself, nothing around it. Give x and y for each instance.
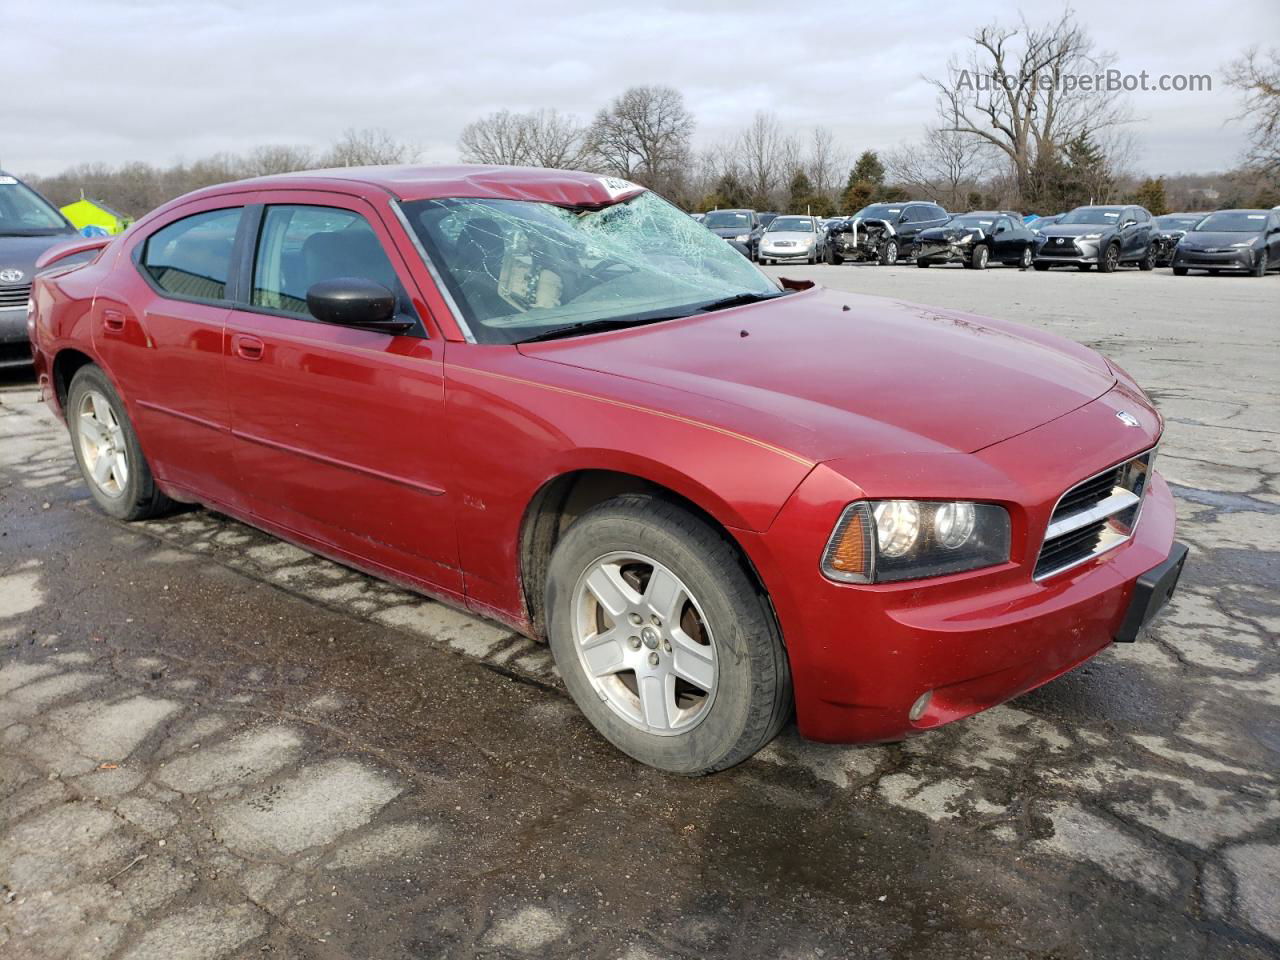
(1075, 251)
(787, 253)
(862, 655)
(15, 348)
(1241, 260)
(943, 252)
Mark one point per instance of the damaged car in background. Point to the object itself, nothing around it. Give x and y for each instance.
(883, 232)
(554, 400)
(975, 239)
(1169, 230)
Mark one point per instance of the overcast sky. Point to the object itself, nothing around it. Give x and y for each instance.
(122, 80)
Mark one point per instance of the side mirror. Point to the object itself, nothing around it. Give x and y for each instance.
(355, 302)
(1001, 229)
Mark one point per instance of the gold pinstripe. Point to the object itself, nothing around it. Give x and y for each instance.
(658, 413)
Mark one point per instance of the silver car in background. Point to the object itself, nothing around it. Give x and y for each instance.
(790, 238)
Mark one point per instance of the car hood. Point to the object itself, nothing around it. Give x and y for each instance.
(20, 253)
(729, 231)
(1202, 240)
(1075, 229)
(948, 233)
(828, 374)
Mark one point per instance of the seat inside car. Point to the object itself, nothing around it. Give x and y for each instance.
(351, 252)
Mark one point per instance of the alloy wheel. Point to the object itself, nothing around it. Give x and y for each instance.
(644, 643)
(1026, 258)
(102, 444)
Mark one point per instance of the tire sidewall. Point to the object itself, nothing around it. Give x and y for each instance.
(138, 488)
(739, 663)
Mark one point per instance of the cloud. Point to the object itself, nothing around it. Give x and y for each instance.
(114, 81)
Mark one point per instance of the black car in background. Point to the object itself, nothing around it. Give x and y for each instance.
(741, 228)
(1169, 230)
(1239, 241)
(29, 225)
(1107, 236)
(977, 238)
(884, 232)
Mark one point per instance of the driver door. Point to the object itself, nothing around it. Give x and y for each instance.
(338, 431)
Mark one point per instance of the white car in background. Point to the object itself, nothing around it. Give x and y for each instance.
(790, 238)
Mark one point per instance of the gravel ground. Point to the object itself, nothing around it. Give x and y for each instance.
(213, 745)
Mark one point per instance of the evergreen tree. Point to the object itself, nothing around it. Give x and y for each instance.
(1151, 195)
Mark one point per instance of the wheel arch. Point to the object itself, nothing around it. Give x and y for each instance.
(66, 362)
(560, 500)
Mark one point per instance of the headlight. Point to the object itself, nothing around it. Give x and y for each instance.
(1090, 236)
(743, 238)
(967, 238)
(1245, 243)
(878, 541)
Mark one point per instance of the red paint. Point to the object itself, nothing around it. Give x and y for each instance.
(417, 457)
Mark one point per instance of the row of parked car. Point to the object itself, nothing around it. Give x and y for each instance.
(1239, 241)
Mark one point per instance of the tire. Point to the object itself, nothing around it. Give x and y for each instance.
(921, 263)
(1148, 261)
(1179, 271)
(765, 261)
(889, 253)
(1084, 267)
(746, 666)
(978, 257)
(1260, 265)
(1042, 267)
(834, 258)
(104, 441)
(1025, 260)
(1110, 259)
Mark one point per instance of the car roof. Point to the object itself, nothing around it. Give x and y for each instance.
(409, 182)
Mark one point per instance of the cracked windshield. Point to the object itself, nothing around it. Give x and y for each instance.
(521, 270)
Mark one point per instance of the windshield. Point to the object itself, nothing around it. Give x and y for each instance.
(518, 269)
(880, 211)
(25, 212)
(1178, 223)
(791, 225)
(727, 218)
(1233, 221)
(1110, 215)
(984, 223)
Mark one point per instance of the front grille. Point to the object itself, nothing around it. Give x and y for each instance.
(14, 296)
(1094, 516)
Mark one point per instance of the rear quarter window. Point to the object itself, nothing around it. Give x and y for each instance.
(191, 258)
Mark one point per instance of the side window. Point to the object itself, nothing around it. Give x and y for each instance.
(1003, 224)
(191, 258)
(937, 213)
(910, 215)
(299, 246)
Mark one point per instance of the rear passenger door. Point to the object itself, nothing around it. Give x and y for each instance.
(159, 329)
(339, 433)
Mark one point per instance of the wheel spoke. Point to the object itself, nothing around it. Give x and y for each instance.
(653, 700)
(100, 409)
(604, 653)
(102, 469)
(121, 469)
(91, 431)
(608, 587)
(693, 662)
(664, 594)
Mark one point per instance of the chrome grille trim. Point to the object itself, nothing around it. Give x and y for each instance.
(11, 297)
(1085, 530)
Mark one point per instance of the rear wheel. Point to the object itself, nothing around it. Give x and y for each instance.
(107, 449)
(664, 642)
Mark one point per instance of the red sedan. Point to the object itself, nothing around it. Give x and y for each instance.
(557, 401)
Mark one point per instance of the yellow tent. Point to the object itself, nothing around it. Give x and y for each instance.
(90, 213)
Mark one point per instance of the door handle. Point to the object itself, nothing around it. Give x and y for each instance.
(248, 348)
(113, 320)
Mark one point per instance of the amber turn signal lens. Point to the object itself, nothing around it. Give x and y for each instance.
(849, 554)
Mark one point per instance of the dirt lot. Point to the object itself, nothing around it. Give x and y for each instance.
(213, 745)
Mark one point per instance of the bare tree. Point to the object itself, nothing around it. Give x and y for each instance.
(1025, 90)
(1257, 75)
(643, 135)
(276, 158)
(555, 140)
(825, 161)
(368, 147)
(497, 138)
(945, 166)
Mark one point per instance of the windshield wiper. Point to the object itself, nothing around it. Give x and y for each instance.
(640, 319)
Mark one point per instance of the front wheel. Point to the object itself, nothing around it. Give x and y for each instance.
(1179, 271)
(1110, 259)
(833, 258)
(978, 257)
(889, 253)
(663, 641)
(1148, 262)
(107, 449)
(1025, 261)
(1260, 265)
(921, 263)
(1042, 267)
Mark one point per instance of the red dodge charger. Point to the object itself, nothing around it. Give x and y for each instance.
(557, 401)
